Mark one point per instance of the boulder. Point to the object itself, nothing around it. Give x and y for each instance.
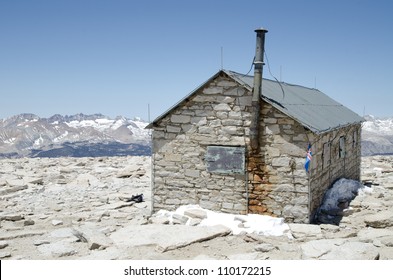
(163, 220)
(339, 249)
(194, 222)
(94, 238)
(41, 242)
(23, 234)
(179, 219)
(57, 222)
(196, 213)
(353, 250)
(4, 255)
(3, 182)
(3, 244)
(35, 180)
(265, 247)
(165, 237)
(370, 234)
(65, 232)
(381, 219)
(12, 217)
(9, 190)
(62, 248)
(130, 171)
(16, 182)
(28, 222)
(386, 253)
(387, 241)
(305, 231)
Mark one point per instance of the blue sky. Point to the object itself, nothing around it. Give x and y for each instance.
(116, 57)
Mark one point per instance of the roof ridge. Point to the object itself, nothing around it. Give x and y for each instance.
(230, 72)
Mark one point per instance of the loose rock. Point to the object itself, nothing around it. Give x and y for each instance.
(3, 244)
(4, 255)
(28, 222)
(57, 222)
(96, 198)
(305, 231)
(196, 213)
(179, 219)
(264, 248)
(381, 219)
(12, 217)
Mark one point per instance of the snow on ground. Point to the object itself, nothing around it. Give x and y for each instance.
(251, 223)
(336, 202)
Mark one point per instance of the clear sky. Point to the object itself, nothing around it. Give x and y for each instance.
(117, 56)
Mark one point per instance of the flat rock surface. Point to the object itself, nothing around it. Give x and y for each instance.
(339, 249)
(75, 208)
(165, 237)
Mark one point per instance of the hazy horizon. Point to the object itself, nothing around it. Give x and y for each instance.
(116, 57)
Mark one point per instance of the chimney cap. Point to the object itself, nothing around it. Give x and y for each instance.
(261, 29)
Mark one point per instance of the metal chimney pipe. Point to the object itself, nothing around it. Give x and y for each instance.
(257, 90)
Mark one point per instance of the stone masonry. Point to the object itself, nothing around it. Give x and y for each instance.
(279, 184)
(218, 115)
(275, 181)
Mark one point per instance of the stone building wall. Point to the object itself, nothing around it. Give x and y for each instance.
(218, 114)
(328, 164)
(278, 183)
(275, 182)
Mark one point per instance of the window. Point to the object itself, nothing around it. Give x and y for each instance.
(341, 148)
(225, 159)
(355, 139)
(326, 154)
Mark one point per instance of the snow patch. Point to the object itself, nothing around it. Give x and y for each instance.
(10, 141)
(59, 138)
(379, 126)
(38, 142)
(251, 223)
(98, 124)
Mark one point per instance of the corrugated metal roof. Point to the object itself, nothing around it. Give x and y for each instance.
(310, 107)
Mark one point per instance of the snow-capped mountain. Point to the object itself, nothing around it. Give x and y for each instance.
(76, 135)
(377, 136)
(28, 135)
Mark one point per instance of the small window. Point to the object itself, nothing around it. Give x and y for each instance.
(326, 154)
(355, 139)
(341, 149)
(225, 159)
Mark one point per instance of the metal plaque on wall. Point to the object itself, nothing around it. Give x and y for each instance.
(225, 159)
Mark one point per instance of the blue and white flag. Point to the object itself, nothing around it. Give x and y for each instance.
(308, 158)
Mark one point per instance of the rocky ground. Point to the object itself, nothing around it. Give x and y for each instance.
(83, 208)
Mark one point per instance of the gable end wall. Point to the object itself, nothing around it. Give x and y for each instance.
(275, 182)
(217, 114)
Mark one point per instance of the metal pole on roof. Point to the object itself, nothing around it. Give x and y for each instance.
(222, 58)
(257, 90)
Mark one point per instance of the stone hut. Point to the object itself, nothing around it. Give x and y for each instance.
(202, 152)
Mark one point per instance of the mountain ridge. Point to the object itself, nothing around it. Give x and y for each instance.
(377, 136)
(28, 135)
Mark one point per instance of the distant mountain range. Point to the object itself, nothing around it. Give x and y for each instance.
(377, 136)
(27, 135)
